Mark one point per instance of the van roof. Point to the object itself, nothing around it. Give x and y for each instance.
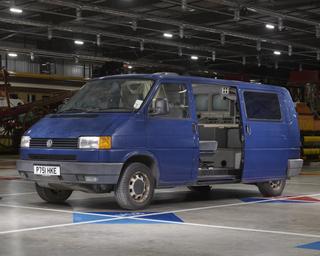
(198, 79)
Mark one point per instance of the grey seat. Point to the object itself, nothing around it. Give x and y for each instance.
(208, 147)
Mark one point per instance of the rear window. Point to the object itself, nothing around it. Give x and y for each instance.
(261, 105)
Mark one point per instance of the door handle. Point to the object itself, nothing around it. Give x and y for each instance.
(248, 130)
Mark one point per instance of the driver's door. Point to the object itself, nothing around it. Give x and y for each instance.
(172, 136)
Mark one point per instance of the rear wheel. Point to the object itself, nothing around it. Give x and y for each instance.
(53, 195)
(200, 189)
(271, 188)
(135, 188)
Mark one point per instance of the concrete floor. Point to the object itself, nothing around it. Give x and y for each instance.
(221, 223)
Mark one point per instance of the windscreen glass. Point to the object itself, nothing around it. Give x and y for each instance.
(109, 95)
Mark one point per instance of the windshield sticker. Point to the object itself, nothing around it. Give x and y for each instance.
(137, 104)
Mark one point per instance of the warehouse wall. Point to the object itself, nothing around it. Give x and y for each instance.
(23, 63)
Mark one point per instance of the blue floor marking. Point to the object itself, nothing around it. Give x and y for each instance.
(261, 200)
(311, 246)
(156, 219)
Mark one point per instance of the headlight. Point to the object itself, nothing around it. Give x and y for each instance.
(95, 142)
(25, 142)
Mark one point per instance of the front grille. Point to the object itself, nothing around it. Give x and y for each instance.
(56, 143)
(50, 157)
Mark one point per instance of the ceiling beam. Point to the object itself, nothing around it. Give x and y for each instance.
(187, 25)
(96, 32)
(255, 8)
(84, 57)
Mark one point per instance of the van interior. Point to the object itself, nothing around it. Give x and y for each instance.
(219, 133)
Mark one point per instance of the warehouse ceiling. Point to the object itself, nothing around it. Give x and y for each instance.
(263, 38)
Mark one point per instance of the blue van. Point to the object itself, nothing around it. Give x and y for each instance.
(133, 133)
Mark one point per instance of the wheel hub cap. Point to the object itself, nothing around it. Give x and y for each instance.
(275, 184)
(139, 187)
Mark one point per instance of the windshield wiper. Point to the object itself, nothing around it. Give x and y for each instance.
(72, 110)
(110, 109)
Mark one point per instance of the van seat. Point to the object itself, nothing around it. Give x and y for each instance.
(208, 146)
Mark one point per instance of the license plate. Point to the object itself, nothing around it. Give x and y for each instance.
(46, 170)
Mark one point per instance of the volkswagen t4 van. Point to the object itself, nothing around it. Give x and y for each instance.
(133, 133)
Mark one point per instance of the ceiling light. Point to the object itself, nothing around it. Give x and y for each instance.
(194, 57)
(12, 54)
(276, 52)
(167, 35)
(269, 26)
(15, 10)
(78, 42)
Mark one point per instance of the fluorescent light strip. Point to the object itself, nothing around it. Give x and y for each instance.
(167, 35)
(15, 10)
(78, 42)
(270, 26)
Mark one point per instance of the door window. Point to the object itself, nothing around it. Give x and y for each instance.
(176, 96)
(264, 106)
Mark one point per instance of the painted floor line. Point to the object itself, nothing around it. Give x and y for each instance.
(17, 194)
(158, 213)
(112, 218)
(264, 231)
(278, 232)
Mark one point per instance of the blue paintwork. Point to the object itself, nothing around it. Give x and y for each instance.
(173, 144)
(311, 246)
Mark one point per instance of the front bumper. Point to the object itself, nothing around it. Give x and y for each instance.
(73, 172)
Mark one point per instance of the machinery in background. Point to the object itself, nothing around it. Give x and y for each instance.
(304, 87)
(16, 117)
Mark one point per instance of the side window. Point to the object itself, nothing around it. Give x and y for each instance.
(176, 98)
(261, 105)
(201, 101)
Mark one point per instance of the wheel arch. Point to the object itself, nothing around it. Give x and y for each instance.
(145, 158)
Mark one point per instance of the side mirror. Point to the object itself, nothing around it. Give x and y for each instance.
(161, 107)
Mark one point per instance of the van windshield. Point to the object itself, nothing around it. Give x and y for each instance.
(109, 95)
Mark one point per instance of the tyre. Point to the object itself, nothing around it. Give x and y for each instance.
(271, 188)
(135, 188)
(200, 189)
(52, 195)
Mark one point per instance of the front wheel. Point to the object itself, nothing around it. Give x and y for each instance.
(271, 188)
(135, 188)
(53, 195)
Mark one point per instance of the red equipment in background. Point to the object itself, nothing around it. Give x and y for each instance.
(14, 120)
